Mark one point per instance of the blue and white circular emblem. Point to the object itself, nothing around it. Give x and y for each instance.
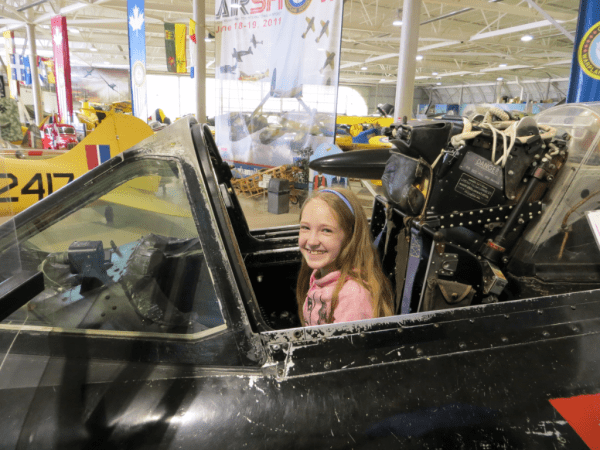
(297, 7)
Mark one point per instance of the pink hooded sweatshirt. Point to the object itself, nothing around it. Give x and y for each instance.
(354, 301)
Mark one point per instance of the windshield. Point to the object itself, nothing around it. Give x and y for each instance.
(561, 245)
(66, 130)
(128, 258)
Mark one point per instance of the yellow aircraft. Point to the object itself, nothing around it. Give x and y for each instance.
(23, 182)
(358, 125)
(92, 114)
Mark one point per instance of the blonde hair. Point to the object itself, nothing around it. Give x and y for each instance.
(358, 259)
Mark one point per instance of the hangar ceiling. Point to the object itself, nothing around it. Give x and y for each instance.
(460, 41)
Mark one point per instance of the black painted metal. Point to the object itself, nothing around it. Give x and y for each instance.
(473, 378)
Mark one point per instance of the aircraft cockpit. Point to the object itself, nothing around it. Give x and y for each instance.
(155, 242)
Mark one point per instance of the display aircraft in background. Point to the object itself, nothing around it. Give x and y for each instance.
(328, 61)
(311, 26)
(228, 69)
(23, 182)
(259, 76)
(254, 41)
(238, 55)
(324, 30)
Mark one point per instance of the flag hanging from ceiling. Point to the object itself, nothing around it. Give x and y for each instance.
(27, 78)
(277, 59)
(46, 70)
(62, 61)
(193, 44)
(170, 47)
(20, 69)
(137, 58)
(9, 46)
(17, 67)
(180, 34)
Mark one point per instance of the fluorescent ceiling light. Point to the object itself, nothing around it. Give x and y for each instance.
(434, 73)
(397, 23)
(502, 65)
(526, 38)
(419, 57)
(438, 83)
(383, 80)
(93, 49)
(363, 68)
(499, 79)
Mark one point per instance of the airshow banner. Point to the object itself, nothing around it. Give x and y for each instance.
(277, 67)
(62, 65)
(137, 58)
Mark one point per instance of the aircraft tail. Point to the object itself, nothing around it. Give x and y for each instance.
(116, 133)
(250, 50)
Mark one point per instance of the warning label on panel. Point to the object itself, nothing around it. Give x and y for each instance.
(482, 168)
(474, 189)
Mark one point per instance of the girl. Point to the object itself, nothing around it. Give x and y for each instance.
(341, 277)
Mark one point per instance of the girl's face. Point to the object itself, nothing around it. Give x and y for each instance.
(321, 236)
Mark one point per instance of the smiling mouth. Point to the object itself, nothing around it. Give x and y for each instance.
(315, 252)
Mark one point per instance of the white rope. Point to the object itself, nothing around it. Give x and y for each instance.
(506, 128)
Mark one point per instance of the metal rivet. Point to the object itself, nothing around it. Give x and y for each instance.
(297, 334)
(546, 334)
(436, 325)
(573, 307)
(327, 365)
(504, 339)
(363, 335)
(419, 352)
(399, 330)
(280, 372)
(471, 320)
(373, 358)
(539, 311)
(506, 316)
(575, 329)
(276, 348)
(462, 345)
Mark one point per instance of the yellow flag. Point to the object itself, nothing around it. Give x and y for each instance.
(180, 36)
(8, 45)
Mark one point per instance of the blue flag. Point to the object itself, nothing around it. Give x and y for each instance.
(27, 66)
(18, 68)
(137, 58)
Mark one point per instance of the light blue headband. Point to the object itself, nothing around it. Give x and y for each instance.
(340, 195)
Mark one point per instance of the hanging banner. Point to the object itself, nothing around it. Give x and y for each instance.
(180, 35)
(62, 64)
(17, 67)
(277, 70)
(584, 83)
(170, 47)
(46, 70)
(9, 46)
(192, 59)
(137, 58)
